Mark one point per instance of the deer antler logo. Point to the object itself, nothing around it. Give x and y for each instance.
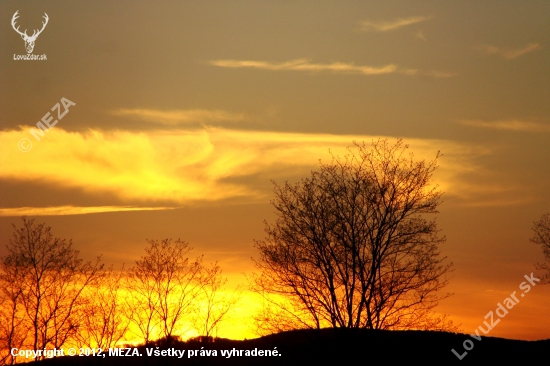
(29, 41)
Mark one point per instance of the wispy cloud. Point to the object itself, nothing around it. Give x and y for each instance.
(510, 53)
(183, 166)
(71, 210)
(386, 26)
(421, 36)
(487, 189)
(306, 65)
(176, 117)
(510, 125)
(335, 67)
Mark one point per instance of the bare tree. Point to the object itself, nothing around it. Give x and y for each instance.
(278, 316)
(164, 285)
(142, 303)
(542, 237)
(215, 302)
(351, 246)
(44, 278)
(13, 328)
(106, 316)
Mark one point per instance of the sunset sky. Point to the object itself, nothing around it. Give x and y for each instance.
(186, 110)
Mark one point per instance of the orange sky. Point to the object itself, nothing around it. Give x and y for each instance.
(185, 111)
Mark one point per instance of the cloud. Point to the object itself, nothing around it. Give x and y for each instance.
(335, 67)
(176, 117)
(485, 188)
(421, 36)
(305, 65)
(71, 210)
(510, 53)
(181, 166)
(510, 125)
(386, 26)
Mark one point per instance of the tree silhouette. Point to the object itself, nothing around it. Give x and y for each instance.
(542, 237)
(215, 303)
(13, 325)
(164, 286)
(106, 316)
(43, 280)
(351, 247)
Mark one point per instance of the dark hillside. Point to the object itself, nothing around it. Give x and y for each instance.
(329, 346)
